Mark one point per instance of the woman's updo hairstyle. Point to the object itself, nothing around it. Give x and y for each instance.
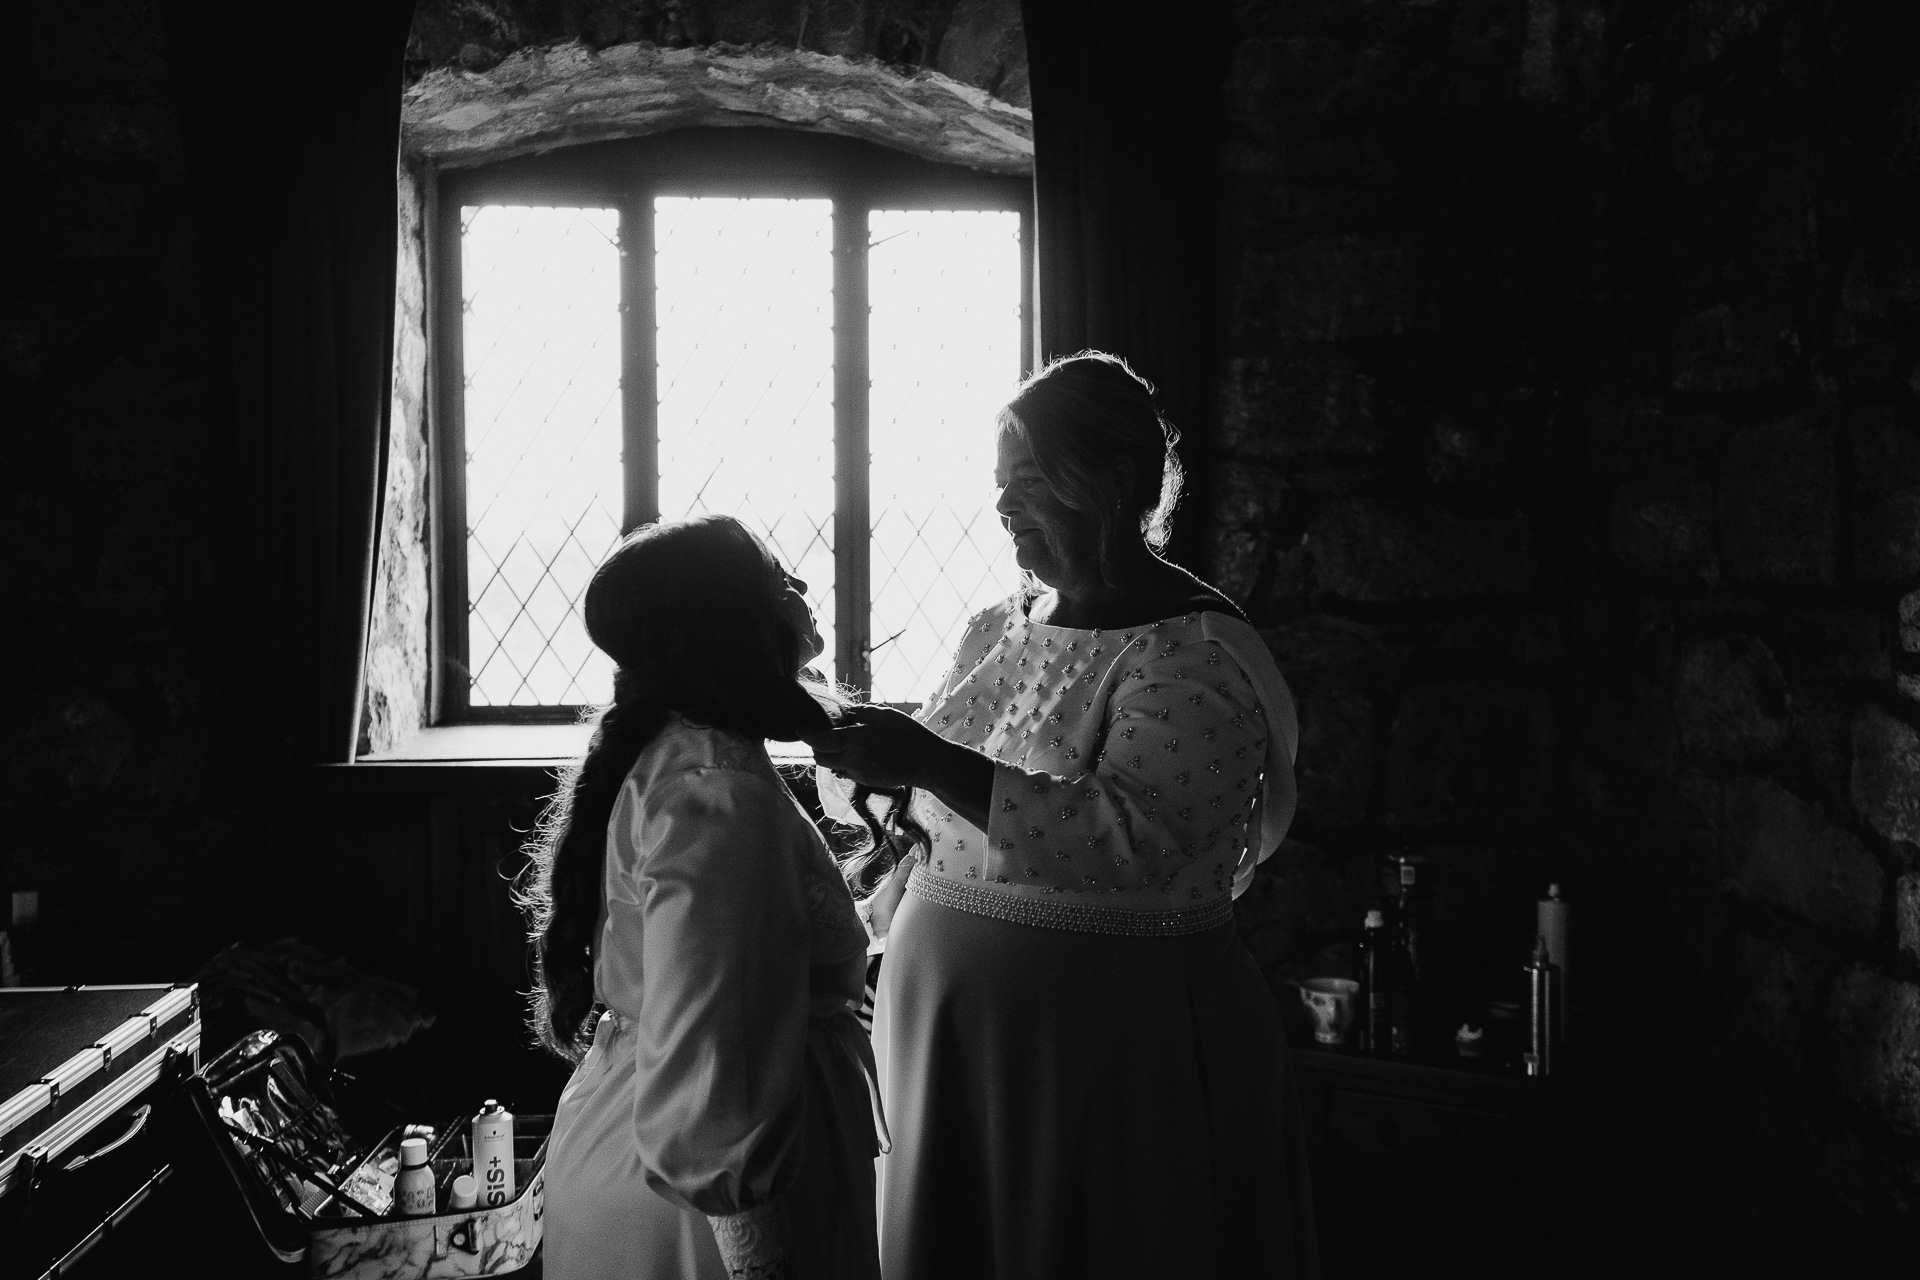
(1078, 414)
(691, 611)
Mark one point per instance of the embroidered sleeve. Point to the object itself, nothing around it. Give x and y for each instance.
(756, 1244)
(1171, 784)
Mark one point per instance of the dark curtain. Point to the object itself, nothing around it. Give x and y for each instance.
(1127, 113)
(290, 117)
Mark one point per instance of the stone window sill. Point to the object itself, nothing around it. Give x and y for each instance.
(548, 745)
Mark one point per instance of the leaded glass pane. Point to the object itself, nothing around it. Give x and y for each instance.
(944, 349)
(541, 331)
(744, 292)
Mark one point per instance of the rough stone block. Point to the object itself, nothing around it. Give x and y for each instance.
(1284, 410)
(1335, 770)
(1373, 550)
(86, 743)
(1729, 700)
(1245, 501)
(1728, 349)
(1878, 278)
(1906, 914)
(1844, 644)
(1775, 512)
(1663, 531)
(1322, 641)
(1785, 994)
(539, 98)
(1821, 734)
(1471, 753)
(1910, 622)
(1328, 288)
(1886, 774)
(1886, 496)
(1785, 851)
(1875, 1028)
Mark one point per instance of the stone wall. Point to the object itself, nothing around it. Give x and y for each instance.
(399, 635)
(975, 42)
(1569, 457)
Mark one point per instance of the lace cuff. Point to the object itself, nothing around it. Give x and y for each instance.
(756, 1244)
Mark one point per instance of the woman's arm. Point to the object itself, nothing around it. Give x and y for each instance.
(1179, 761)
(880, 747)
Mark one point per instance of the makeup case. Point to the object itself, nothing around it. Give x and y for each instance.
(314, 1165)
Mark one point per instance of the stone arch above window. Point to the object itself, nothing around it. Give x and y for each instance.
(545, 98)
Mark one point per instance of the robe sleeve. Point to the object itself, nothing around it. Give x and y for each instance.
(722, 1030)
(1173, 780)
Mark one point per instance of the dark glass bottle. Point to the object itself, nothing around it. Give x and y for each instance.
(1375, 982)
(1403, 1003)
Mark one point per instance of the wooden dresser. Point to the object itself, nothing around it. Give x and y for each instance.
(1428, 1166)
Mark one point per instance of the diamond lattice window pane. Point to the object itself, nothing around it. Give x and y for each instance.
(544, 492)
(944, 347)
(745, 309)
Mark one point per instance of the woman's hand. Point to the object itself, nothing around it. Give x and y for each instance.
(880, 747)
(877, 747)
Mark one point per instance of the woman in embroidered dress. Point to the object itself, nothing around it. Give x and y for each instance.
(1084, 1071)
(720, 1121)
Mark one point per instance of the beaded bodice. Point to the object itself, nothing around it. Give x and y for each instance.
(1130, 767)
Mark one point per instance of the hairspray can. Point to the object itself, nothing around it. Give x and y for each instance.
(1543, 1009)
(493, 1154)
(1552, 924)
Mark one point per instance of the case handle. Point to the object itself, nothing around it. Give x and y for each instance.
(141, 1115)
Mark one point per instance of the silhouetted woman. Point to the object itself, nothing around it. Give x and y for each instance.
(719, 1121)
(1084, 1070)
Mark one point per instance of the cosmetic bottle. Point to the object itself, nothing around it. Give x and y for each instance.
(463, 1195)
(1374, 993)
(413, 1189)
(1552, 914)
(1543, 1013)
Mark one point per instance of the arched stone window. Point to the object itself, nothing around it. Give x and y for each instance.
(598, 151)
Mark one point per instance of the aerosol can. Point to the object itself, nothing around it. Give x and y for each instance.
(1543, 1013)
(493, 1154)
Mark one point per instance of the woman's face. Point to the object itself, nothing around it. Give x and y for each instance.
(799, 615)
(1053, 542)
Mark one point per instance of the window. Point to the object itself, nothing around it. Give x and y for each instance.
(808, 332)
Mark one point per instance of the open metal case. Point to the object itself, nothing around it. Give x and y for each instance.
(311, 1179)
(83, 1071)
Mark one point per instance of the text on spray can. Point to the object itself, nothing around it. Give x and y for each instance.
(493, 1154)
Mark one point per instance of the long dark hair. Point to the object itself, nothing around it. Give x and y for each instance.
(892, 833)
(1078, 414)
(690, 611)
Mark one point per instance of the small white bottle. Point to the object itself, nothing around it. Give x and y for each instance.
(464, 1194)
(413, 1189)
(493, 1154)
